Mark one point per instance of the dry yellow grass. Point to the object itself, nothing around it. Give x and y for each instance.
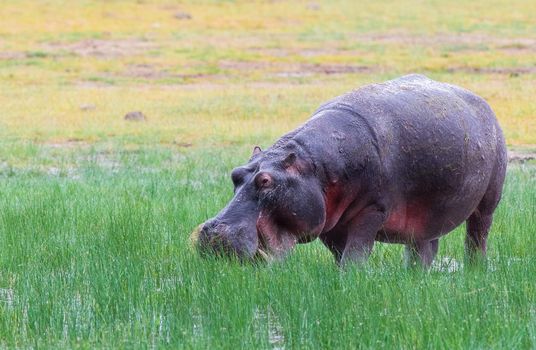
(245, 72)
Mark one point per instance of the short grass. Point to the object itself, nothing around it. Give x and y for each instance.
(95, 212)
(98, 256)
(238, 71)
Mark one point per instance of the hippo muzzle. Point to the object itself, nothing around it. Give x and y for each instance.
(224, 239)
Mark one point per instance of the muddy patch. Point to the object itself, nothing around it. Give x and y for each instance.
(69, 144)
(12, 55)
(101, 48)
(152, 72)
(334, 68)
(92, 84)
(72, 158)
(468, 41)
(181, 15)
(145, 71)
(512, 71)
(294, 69)
(521, 156)
(86, 107)
(301, 52)
(447, 264)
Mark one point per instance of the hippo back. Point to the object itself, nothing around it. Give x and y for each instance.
(428, 130)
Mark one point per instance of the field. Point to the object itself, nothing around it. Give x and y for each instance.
(95, 211)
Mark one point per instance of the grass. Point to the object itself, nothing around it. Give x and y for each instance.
(97, 256)
(95, 212)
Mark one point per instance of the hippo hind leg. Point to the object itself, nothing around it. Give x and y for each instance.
(421, 253)
(479, 222)
(478, 226)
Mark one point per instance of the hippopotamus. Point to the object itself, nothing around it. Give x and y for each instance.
(405, 161)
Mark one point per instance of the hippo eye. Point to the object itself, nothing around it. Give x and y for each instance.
(263, 180)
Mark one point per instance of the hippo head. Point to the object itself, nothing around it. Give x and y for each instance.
(277, 203)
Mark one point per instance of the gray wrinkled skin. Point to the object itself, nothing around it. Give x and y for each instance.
(405, 161)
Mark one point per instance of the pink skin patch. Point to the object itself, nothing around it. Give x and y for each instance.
(277, 242)
(408, 219)
(335, 206)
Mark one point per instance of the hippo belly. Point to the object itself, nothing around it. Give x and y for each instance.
(415, 220)
(405, 221)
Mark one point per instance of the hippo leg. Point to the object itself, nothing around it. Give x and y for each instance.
(352, 241)
(479, 222)
(335, 241)
(421, 253)
(478, 226)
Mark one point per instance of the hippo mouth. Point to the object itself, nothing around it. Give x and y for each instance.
(270, 241)
(264, 251)
(216, 244)
(273, 242)
(263, 254)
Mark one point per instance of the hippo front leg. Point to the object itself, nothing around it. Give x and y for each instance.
(352, 241)
(421, 253)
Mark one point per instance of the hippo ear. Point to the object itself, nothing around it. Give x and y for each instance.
(289, 160)
(256, 151)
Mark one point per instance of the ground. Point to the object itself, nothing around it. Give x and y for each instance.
(95, 211)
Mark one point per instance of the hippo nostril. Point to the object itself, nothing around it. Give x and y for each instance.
(209, 229)
(210, 225)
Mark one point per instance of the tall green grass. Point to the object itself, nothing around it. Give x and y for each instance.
(96, 254)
